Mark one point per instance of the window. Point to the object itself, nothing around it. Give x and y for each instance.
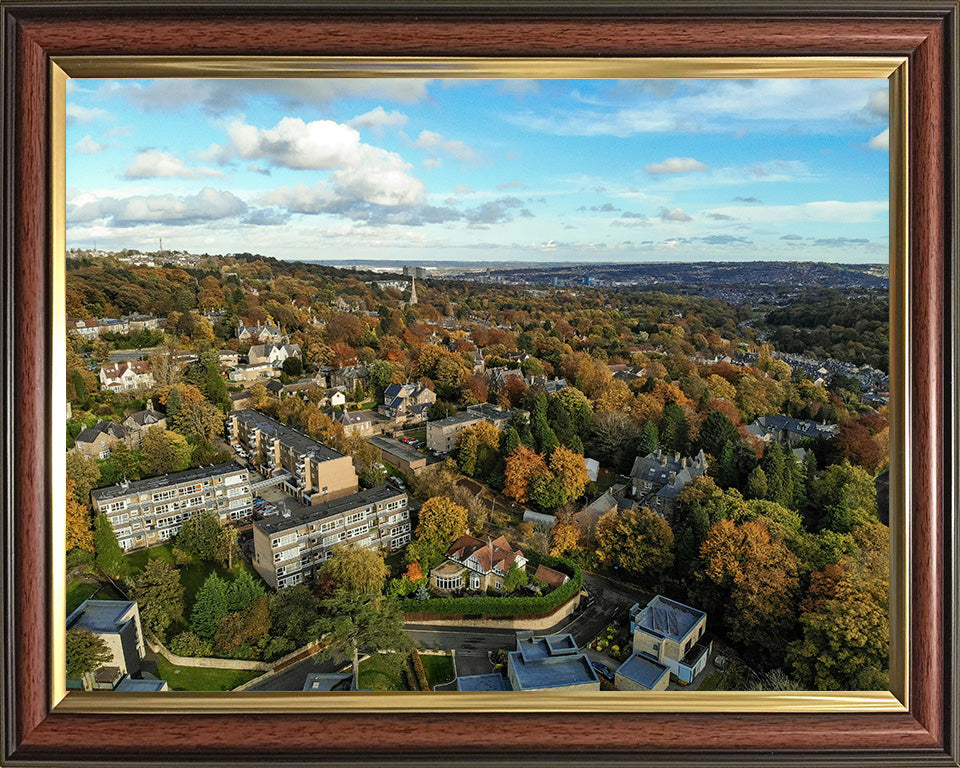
(449, 582)
(359, 530)
(105, 454)
(161, 495)
(354, 518)
(329, 526)
(397, 543)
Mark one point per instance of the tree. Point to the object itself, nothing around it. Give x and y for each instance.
(757, 484)
(674, 429)
(423, 552)
(293, 611)
(164, 451)
(244, 627)
(570, 469)
(715, 431)
(174, 403)
(637, 540)
(121, 464)
(243, 590)
(441, 521)
(649, 439)
(352, 620)
(86, 653)
(515, 578)
(758, 574)
(522, 466)
(857, 445)
(109, 556)
(564, 536)
(201, 420)
(200, 535)
(546, 491)
(85, 475)
(79, 533)
(227, 547)
(159, 594)
(293, 366)
(848, 497)
(210, 606)
(356, 569)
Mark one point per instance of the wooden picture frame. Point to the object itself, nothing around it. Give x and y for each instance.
(37, 34)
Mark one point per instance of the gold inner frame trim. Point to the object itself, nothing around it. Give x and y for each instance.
(892, 68)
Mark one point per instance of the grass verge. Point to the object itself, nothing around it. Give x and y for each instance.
(439, 669)
(381, 672)
(201, 678)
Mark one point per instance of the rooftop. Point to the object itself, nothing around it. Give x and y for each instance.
(643, 670)
(289, 436)
(332, 681)
(101, 616)
(458, 418)
(490, 682)
(668, 618)
(141, 686)
(162, 481)
(300, 514)
(550, 662)
(397, 448)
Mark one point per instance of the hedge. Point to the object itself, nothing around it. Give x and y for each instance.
(505, 606)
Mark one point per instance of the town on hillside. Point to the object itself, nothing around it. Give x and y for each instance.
(286, 476)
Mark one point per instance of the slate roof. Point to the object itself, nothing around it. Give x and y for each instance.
(643, 670)
(92, 434)
(146, 417)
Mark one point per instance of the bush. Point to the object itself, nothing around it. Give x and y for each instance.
(190, 644)
(77, 557)
(419, 671)
(180, 557)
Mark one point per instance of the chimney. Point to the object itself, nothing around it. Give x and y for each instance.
(150, 404)
(683, 462)
(676, 456)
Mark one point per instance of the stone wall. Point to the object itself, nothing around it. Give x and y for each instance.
(513, 622)
(206, 663)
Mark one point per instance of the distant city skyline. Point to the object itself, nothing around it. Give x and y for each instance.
(482, 170)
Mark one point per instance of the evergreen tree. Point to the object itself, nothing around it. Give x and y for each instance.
(674, 429)
(109, 556)
(649, 439)
(757, 484)
(716, 431)
(773, 464)
(727, 473)
(159, 594)
(243, 590)
(174, 403)
(86, 653)
(211, 605)
(509, 439)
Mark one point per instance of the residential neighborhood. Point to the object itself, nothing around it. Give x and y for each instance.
(633, 493)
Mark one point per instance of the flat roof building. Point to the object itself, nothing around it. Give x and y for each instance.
(290, 547)
(317, 473)
(553, 661)
(117, 623)
(150, 511)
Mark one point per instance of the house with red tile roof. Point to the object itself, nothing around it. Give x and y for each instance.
(476, 564)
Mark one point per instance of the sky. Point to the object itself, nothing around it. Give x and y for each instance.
(482, 170)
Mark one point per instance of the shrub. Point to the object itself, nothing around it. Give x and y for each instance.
(190, 644)
(419, 671)
(180, 557)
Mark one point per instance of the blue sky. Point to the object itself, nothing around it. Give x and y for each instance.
(529, 170)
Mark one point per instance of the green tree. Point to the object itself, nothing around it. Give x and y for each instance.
(293, 611)
(649, 439)
(515, 578)
(637, 540)
(200, 420)
(716, 431)
(174, 403)
(757, 484)
(848, 497)
(159, 594)
(200, 535)
(727, 472)
(546, 491)
(211, 605)
(109, 556)
(243, 590)
(424, 552)
(351, 621)
(85, 474)
(674, 429)
(293, 366)
(86, 653)
(122, 464)
(356, 569)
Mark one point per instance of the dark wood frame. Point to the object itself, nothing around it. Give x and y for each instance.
(925, 32)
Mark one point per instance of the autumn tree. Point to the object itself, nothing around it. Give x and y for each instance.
(245, 627)
(159, 594)
(522, 466)
(79, 532)
(570, 469)
(85, 475)
(356, 569)
(614, 439)
(164, 451)
(636, 540)
(564, 536)
(758, 574)
(86, 653)
(441, 521)
(847, 497)
(201, 420)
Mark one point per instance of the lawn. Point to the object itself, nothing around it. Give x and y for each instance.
(710, 683)
(202, 679)
(381, 672)
(439, 669)
(192, 575)
(78, 591)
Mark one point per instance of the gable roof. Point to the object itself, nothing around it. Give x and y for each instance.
(145, 418)
(116, 370)
(111, 428)
(550, 577)
(488, 554)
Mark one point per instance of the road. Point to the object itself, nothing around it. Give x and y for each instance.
(293, 678)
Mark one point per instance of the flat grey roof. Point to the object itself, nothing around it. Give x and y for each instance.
(397, 448)
(329, 681)
(643, 670)
(162, 481)
(100, 616)
(300, 514)
(553, 671)
(669, 618)
(458, 418)
(493, 681)
(289, 436)
(151, 686)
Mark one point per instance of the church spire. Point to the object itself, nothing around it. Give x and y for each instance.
(413, 291)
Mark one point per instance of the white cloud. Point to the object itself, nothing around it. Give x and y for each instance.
(878, 103)
(207, 205)
(434, 141)
(432, 162)
(155, 163)
(676, 165)
(675, 214)
(88, 146)
(831, 211)
(359, 171)
(880, 142)
(79, 114)
(378, 118)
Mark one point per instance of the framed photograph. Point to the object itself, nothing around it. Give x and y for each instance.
(558, 73)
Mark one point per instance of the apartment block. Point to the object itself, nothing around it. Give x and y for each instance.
(442, 434)
(147, 512)
(291, 546)
(308, 470)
